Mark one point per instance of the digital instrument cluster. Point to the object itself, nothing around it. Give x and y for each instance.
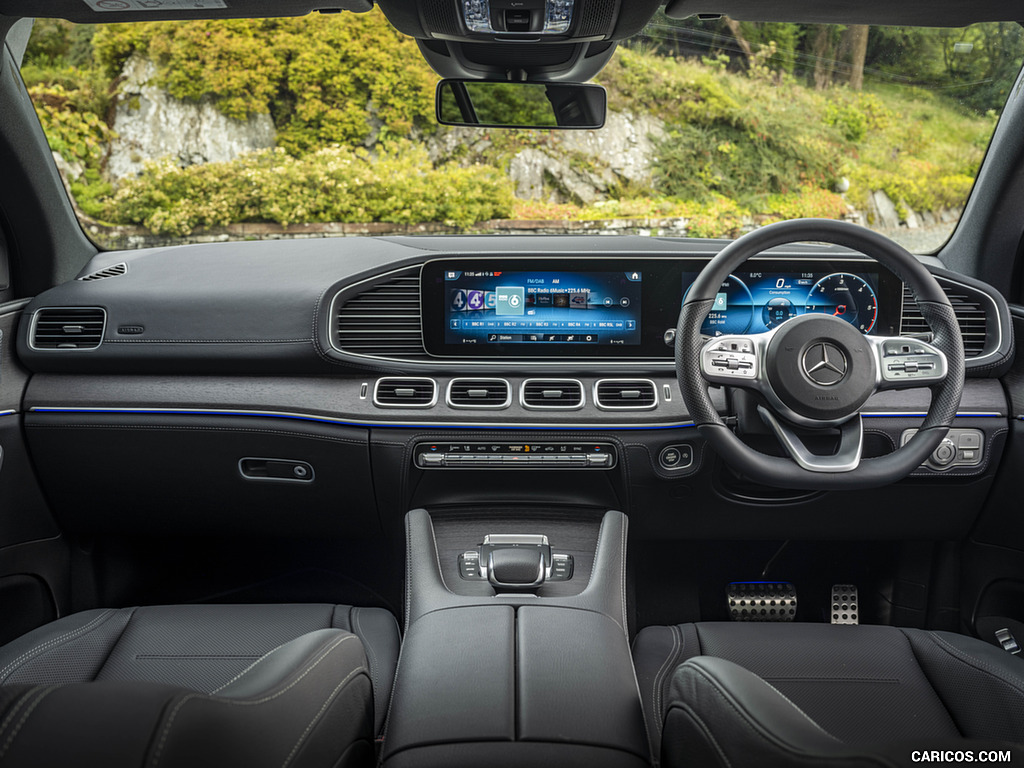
(756, 301)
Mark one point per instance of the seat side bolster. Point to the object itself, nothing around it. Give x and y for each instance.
(286, 663)
(740, 719)
(306, 702)
(980, 685)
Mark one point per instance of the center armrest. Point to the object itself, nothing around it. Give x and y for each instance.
(507, 685)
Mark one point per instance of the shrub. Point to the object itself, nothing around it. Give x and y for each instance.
(336, 184)
(324, 79)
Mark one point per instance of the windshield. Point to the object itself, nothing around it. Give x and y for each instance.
(324, 125)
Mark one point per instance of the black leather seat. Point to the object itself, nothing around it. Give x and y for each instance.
(199, 685)
(741, 694)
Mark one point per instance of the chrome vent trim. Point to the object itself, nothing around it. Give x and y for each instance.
(383, 320)
(405, 392)
(552, 394)
(478, 393)
(625, 394)
(67, 328)
(970, 314)
(115, 270)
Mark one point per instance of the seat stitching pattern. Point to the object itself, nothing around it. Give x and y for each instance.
(252, 702)
(622, 568)
(49, 645)
(963, 656)
(263, 658)
(367, 646)
(24, 718)
(658, 698)
(22, 700)
(316, 718)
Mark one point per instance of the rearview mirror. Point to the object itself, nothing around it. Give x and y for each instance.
(517, 104)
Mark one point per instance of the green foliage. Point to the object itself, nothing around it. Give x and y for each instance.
(324, 79)
(79, 135)
(336, 184)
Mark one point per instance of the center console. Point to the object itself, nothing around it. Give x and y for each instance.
(516, 649)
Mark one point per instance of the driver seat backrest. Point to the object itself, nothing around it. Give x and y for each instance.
(792, 694)
(199, 685)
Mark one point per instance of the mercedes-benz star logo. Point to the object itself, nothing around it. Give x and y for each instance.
(824, 364)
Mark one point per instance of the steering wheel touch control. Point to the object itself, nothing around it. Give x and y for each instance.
(816, 371)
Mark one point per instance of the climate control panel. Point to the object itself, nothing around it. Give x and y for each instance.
(499, 455)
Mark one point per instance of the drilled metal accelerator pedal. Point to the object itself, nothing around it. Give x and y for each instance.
(845, 604)
(762, 601)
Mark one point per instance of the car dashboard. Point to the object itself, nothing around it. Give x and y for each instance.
(360, 378)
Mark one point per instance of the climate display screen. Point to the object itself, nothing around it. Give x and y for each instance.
(531, 309)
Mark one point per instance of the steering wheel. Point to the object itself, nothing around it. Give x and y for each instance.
(816, 371)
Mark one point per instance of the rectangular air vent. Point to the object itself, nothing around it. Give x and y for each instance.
(625, 394)
(382, 320)
(479, 393)
(552, 393)
(404, 392)
(970, 314)
(68, 328)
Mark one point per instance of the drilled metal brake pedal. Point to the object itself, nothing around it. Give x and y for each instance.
(762, 601)
(845, 605)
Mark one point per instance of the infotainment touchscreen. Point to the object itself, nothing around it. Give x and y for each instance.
(529, 309)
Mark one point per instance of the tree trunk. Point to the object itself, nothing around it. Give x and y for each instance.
(857, 39)
(823, 53)
(734, 27)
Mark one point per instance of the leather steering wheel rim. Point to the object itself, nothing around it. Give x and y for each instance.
(784, 472)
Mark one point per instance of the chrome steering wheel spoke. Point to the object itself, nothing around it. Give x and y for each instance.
(735, 361)
(905, 362)
(845, 459)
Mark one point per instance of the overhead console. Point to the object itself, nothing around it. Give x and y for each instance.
(627, 307)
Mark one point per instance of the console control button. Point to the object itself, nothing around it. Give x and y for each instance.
(469, 565)
(945, 453)
(561, 568)
(678, 456)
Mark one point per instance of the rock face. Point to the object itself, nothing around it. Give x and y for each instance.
(621, 151)
(151, 124)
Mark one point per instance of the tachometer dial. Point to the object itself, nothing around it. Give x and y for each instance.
(732, 311)
(845, 296)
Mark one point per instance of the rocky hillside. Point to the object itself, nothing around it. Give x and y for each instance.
(178, 128)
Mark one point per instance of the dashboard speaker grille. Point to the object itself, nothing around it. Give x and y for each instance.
(68, 328)
(479, 393)
(625, 394)
(970, 314)
(405, 392)
(552, 393)
(383, 320)
(112, 271)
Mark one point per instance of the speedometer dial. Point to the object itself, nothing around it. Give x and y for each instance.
(845, 296)
(732, 311)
